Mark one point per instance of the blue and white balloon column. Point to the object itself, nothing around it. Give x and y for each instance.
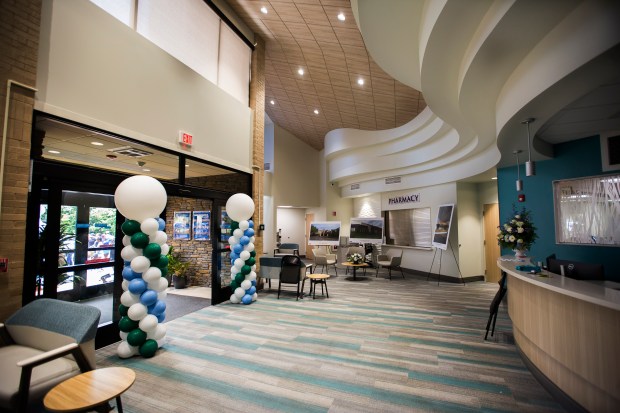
(141, 199)
(240, 209)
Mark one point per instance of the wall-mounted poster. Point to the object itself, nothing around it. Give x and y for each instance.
(182, 225)
(202, 225)
(442, 226)
(324, 233)
(226, 230)
(367, 230)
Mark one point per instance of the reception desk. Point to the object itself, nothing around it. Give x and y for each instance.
(569, 331)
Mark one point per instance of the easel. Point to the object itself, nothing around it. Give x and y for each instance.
(440, 257)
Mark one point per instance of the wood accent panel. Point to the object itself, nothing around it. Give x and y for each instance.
(490, 213)
(572, 342)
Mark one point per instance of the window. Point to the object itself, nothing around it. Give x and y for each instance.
(408, 227)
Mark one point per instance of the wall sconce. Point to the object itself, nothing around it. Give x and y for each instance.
(530, 166)
(519, 183)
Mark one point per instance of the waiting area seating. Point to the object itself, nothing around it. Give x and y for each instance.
(390, 261)
(286, 249)
(44, 343)
(494, 307)
(290, 272)
(324, 260)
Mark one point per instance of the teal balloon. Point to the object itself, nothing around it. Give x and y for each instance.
(126, 324)
(148, 349)
(250, 261)
(234, 225)
(253, 254)
(234, 285)
(136, 337)
(246, 269)
(239, 278)
(130, 227)
(152, 251)
(139, 240)
(122, 310)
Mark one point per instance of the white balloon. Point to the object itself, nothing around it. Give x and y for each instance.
(161, 285)
(125, 285)
(124, 350)
(149, 226)
(232, 241)
(249, 247)
(137, 311)
(243, 225)
(238, 233)
(253, 267)
(239, 263)
(252, 239)
(239, 207)
(140, 197)
(123, 335)
(254, 296)
(234, 270)
(128, 299)
(239, 292)
(158, 333)
(126, 240)
(165, 249)
(148, 323)
(160, 343)
(246, 284)
(151, 274)
(160, 238)
(244, 255)
(130, 252)
(140, 264)
(234, 299)
(162, 295)
(252, 276)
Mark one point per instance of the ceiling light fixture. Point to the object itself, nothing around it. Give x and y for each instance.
(316, 111)
(264, 10)
(96, 143)
(341, 17)
(494, 178)
(301, 71)
(272, 102)
(54, 152)
(360, 81)
(519, 183)
(530, 166)
(146, 170)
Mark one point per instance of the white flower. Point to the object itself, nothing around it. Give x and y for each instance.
(519, 241)
(520, 230)
(518, 216)
(519, 223)
(511, 238)
(509, 229)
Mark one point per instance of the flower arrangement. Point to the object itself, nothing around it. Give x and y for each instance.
(355, 258)
(518, 233)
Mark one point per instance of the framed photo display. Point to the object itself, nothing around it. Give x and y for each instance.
(201, 225)
(442, 226)
(182, 225)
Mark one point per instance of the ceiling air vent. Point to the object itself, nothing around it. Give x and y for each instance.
(355, 186)
(129, 151)
(392, 180)
(267, 166)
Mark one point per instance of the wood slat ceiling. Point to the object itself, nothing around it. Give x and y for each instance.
(307, 34)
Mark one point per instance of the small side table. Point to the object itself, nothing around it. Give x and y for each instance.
(88, 390)
(318, 279)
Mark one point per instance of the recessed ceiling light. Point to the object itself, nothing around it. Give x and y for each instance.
(272, 102)
(54, 152)
(96, 143)
(495, 177)
(146, 170)
(263, 10)
(341, 17)
(301, 71)
(360, 81)
(187, 165)
(316, 111)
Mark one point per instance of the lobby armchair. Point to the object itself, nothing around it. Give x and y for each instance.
(42, 344)
(286, 249)
(389, 262)
(323, 259)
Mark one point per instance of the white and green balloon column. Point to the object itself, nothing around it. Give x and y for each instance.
(240, 208)
(141, 199)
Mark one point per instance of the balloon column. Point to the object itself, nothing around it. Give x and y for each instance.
(142, 309)
(240, 208)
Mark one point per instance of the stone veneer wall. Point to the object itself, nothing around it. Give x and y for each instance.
(19, 31)
(198, 253)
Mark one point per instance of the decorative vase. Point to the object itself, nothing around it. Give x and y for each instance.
(520, 253)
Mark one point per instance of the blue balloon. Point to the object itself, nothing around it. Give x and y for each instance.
(157, 308)
(238, 248)
(161, 317)
(137, 286)
(130, 274)
(127, 263)
(251, 223)
(251, 290)
(249, 232)
(244, 240)
(254, 283)
(247, 299)
(234, 255)
(162, 224)
(149, 297)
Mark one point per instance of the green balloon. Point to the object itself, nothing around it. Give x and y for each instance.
(122, 310)
(152, 251)
(250, 261)
(126, 324)
(246, 269)
(234, 285)
(234, 225)
(239, 278)
(161, 262)
(139, 240)
(149, 348)
(130, 227)
(136, 337)
(252, 254)
(164, 271)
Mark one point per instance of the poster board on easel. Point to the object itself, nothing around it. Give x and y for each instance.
(324, 233)
(441, 232)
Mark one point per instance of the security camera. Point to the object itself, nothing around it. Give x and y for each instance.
(141, 163)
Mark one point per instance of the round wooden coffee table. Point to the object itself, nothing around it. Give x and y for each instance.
(318, 279)
(90, 389)
(355, 267)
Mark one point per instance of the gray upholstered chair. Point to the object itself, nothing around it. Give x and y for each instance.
(44, 343)
(323, 259)
(389, 262)
(286, 249)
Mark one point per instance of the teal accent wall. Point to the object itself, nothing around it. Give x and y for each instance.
(575, 159)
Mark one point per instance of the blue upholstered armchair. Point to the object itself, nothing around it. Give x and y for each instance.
(43, 344)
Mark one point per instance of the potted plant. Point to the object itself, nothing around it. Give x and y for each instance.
(178, 269)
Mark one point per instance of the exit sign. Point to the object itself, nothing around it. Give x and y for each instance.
(185, 139)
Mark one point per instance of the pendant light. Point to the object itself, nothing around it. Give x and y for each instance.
(530, 166)
(519, 182)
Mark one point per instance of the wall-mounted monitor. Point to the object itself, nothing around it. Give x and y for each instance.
(367, 230)
(324, 233)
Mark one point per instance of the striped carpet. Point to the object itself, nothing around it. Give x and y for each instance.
(374, 345)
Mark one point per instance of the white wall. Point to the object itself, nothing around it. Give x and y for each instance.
(292, 222)
(95, 70)
(487, 192)
(470, 228)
